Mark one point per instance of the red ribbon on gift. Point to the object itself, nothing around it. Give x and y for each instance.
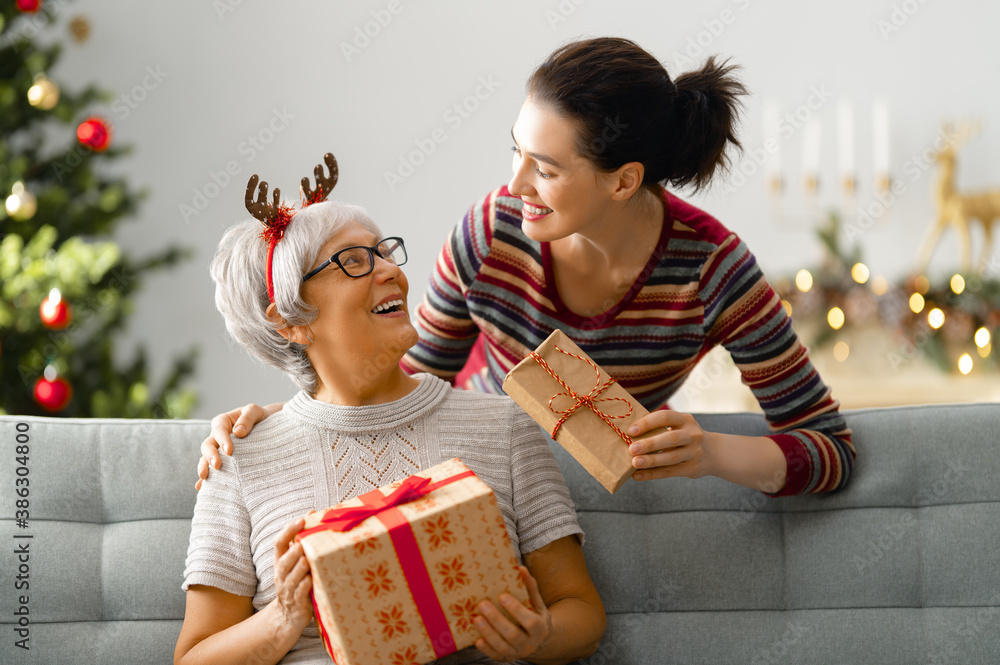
(345, 519)
(411, 560)
(589, 400)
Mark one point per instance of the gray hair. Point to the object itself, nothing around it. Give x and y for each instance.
(238, 270)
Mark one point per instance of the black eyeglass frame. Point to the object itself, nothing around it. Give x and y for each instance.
(372, 251)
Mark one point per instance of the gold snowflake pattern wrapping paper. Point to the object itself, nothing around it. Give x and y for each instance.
(409, 596)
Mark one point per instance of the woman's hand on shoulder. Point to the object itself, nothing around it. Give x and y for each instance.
(682, 450)
(238, 422)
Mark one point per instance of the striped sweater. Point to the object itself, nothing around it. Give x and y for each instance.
(701, 287)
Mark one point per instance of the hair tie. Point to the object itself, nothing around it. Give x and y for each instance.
(277, 216)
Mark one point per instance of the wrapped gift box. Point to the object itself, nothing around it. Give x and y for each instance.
(398, 572)
(563, 390)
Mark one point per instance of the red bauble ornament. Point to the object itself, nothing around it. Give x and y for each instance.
(55, 312)
(94, 133)
(29, 5)
(53, 395)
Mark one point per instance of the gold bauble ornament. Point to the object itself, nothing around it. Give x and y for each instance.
(79, 29)
(21, 204)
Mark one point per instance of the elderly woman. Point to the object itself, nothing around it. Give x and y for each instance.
(337, 323)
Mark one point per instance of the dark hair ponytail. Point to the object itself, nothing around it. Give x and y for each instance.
(709, 101)
(628, 110)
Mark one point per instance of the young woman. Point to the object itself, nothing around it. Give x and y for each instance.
(587, 238)
(325, 305)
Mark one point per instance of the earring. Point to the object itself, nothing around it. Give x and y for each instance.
(310, 339)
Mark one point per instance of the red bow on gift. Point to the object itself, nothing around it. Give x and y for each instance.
(345, 519)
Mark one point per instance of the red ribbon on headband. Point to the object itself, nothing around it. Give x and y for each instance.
(273, 234)
(589, 400)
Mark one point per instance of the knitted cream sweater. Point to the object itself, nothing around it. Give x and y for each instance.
(312, 455)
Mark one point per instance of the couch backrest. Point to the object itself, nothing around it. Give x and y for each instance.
(109, 514)
(901, 567)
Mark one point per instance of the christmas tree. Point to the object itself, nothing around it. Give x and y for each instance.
(65, 287)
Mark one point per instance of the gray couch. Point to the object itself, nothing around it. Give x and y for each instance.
(901, 567)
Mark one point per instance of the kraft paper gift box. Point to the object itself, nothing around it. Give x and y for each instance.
(564, 391)
(400, 582)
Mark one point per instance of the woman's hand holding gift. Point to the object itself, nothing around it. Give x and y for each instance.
(505, 640)
(292, 579)
(686, 450)
(682, 451)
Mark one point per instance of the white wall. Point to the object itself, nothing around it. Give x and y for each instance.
(226, 67)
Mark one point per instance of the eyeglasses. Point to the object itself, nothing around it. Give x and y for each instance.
(358, 261)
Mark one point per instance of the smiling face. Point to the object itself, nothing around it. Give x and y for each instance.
(363, 324)
(562, 191)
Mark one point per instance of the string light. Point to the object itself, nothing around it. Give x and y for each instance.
(916, 303)
(860, 273)
(880, 285)
(803, 280)
(982, 337)
(841, 351)
(835, 317)
(935, 318)
(984, 351)
(922, 284)
(965, 363)
(788, 306)
(957, 283)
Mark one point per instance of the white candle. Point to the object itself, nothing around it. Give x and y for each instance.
(880, 137)
(845, 139)
(810, 147)
(772, 118)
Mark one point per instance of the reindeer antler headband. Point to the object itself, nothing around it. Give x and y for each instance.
(276, 216)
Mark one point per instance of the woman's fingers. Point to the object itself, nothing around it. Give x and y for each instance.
(222, 427)
(493, 643)
(237, 422)
(302, 589)
(294, 566)
(283, 541)
(672, 449)
(210, 451)
(534, 595)
(661, 441)
(293, 583)
(668, 457)
(249, 415)
(504, 639)
(656, 419)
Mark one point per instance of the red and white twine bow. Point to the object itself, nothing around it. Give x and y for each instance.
(589, 400)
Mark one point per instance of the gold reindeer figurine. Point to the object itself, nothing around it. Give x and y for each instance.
(959, 208)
